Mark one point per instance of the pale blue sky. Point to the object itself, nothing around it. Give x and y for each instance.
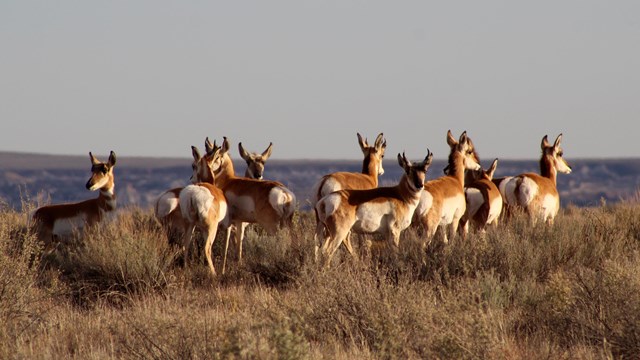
(154, 77)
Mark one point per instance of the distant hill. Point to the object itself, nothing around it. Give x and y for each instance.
(139, 180)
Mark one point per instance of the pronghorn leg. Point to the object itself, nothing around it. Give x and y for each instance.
(226, 247)
(335, 243)
(239, 237)
(211, 237)
(186, 242)
(348, 246)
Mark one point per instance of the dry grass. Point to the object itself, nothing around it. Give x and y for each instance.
(569, 291)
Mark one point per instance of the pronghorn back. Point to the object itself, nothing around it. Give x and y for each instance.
(443, 202)
(62, 219)
(367, 179)
(267, 203)
(203, 205)
(484, 201)
(386, 210)
(537, 194)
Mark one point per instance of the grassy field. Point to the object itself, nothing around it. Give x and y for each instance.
(518, 292)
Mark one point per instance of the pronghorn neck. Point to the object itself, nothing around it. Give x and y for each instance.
(406, 190)
(225, 173)
(547, 168)
(107, 198)
(370, 167)
(456, 166)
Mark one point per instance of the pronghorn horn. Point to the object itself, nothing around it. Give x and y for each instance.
(428, 158)
(463, 137)
(207, 145)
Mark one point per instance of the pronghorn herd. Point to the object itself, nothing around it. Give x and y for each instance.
(467, 196)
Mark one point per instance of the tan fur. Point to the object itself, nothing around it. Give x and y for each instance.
(491, 197)
(93, 211)
(386, 210)
(447, 192)
(208, 224)
(237, 189)
(368, 179)
(174, 223)
(543, 202)
(255, 161)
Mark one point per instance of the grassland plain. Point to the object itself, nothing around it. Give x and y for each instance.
(517, 292)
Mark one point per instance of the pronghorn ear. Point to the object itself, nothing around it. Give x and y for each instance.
(379, 141)
(492, 168)
(451, 140)
(558, 140)
(267, 153)
(94, 161)
(196, 153)
(225, 145)
(243, 153)
(363, 143)
(208, 147)
(112, 159)
(545, 143)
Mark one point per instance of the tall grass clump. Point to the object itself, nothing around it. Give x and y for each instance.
(26, 294)
(118, 259)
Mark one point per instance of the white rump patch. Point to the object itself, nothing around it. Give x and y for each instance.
(528, 191)
(508, 190)
(281, 201)
(331, 204)
(166, 204)
(195, 202)
(330, 186)
(474, 201)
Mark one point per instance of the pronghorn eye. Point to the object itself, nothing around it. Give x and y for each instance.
(560, 153)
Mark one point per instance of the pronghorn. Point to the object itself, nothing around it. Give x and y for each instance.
(443, 202)
(537, 194)
(167, 206)
(268, 203)
(255, 161)
(484, 201)
(367, 179)
(203, 205)
(55, 221)
(385, 210)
